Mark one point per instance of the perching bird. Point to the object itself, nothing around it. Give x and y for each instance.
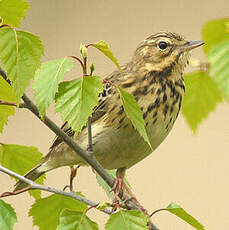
(154, 77)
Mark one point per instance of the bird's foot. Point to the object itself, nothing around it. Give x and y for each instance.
(119, 186)
(72, 176)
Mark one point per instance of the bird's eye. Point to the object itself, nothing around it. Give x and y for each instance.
(162, 45)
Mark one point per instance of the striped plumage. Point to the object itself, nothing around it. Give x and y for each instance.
(154, 77)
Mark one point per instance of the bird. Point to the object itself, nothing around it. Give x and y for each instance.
(154, 76)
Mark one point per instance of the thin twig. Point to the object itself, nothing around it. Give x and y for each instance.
(85, 66)
(78, 59)
(94, 206)
(89, 134)
(34, 185)
(158, 210)
(9, 26)
(88, 45)
(16, 192)
(21, 105)
(89, 130)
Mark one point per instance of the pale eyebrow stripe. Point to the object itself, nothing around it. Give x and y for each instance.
(164, 38)
(165, 35)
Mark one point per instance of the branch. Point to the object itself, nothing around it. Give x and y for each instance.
(89, 158)
(34, 185)
(69, 141)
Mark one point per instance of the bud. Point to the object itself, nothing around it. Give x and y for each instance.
(92, 68)
(83, 50)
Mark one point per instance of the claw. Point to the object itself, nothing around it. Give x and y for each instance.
(119, 184)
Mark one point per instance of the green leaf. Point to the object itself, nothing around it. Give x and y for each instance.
(201, 97)
(134, 113)
(46, 81)
(7, 216)
(75, 220)
(12, 11)
(105, 186)
(218, 57)
(76, 100)
(105, 49)
(181, 213)
(6, 94)
(49, 209)
(127, 220)
(214, 32)
(20, 54)
(21, 159)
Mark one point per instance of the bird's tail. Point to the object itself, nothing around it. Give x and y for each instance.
(33, 174)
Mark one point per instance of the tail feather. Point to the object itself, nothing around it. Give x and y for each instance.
(33, 174)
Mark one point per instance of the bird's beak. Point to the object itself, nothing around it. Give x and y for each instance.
(191, 45)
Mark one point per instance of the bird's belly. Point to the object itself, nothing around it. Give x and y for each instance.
(116, 147)
(124, 147)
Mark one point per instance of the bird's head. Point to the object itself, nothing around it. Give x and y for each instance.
(164, 49)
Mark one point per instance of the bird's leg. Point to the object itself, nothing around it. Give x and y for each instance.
(72, 176)
(119, 184)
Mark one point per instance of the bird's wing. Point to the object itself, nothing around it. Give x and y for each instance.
(99, 110)
(67, 129)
